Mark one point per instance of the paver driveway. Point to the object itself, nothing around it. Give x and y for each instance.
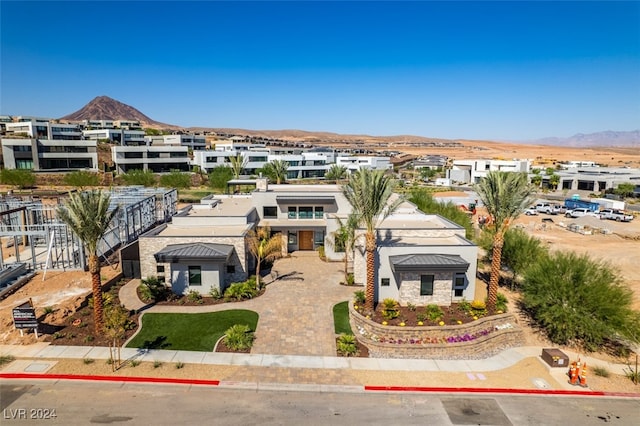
(296, 310)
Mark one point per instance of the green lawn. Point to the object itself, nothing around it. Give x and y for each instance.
(189, 332)
(341, 318)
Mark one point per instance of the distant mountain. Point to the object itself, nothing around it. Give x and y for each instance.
(106, 108)
(605, 139)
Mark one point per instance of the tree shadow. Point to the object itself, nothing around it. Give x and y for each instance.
(157, 343)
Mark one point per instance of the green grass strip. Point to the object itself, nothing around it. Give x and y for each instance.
(189, 332)
(341, 318)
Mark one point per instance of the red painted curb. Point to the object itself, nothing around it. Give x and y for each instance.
(129, 379)
(499, 390)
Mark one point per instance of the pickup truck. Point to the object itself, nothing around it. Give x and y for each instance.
(617, 215)
(580, 212)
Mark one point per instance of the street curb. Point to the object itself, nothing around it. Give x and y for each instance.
(276, 386)
(128, 379)
(500, 391)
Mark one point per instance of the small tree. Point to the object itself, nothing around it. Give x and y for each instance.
(578, 300)
(554, 181)
(139, 177)
(81, 179)
(237, 165)
(536, 180)
(176, 179)
(219, 176)
(276, 170)
(336, 172)
(116, 319)
(344, 239)
(20, 178)
(264, 247)
(624, 189)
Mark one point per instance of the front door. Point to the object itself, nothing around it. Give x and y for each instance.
(305, 240)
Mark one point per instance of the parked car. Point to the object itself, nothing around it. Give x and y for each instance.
(617, 215)
(580, 212)
(543, 208)
(531, 211)
(558, 209)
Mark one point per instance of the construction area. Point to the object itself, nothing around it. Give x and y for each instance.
(33, 238)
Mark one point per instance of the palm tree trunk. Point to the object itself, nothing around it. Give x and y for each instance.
(258, 259)
(96, 287)
(371, 263)
(494, 280)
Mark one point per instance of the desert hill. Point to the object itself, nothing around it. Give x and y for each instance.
(106, 108)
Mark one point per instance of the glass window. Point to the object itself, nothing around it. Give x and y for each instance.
(459, 284)
(270, 212)
(293, 238)
(231, 269)
(319, 238)
(195, 275)
(293, 213)
(385, 282)
(305, 212)
(319, 212)
(426, 285)
(160, 269)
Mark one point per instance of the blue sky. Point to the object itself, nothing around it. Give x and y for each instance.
(476, 70)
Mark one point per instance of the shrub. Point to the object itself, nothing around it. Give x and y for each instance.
(139, 177)
(152, 290)
(578, 300)
(433, 312)
(411, 307)
(194, 296)
(81, 179)
(390, 308)
(18, 177)
(176, 179)
(6, 359)
(321, 252)
(87, 361)
(600, 371)
(346, 345)
(351, 280)
(135, 362)
(179, 365)
(219, 176)
(633, 375)
(501, 302)
(157, 364)
(359, 297)
(239, 337)
(89, 339)
(241, 291)
(215, 293)
(48, 310)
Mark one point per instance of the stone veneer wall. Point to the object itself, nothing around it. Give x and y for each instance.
(491, 335)
(410, 289)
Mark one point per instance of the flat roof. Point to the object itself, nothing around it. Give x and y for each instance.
(453, 240)
(223, 206)
(204, 231)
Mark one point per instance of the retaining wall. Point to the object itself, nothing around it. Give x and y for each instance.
(479, 339)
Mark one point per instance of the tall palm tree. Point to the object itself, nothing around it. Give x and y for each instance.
(369, 192)
(345, 238)
(237, 165)
(263, 246)
(88, 216)
(505, 195)
(277, 169)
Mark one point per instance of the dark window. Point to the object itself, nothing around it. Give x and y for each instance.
(293, 213)
(459, 284)
(270, 212)
(195, 275)
(305, 213)
(319, 212)
(160, 268)
(293, 238)
(385, 282)
(231, 269)
(426, 285)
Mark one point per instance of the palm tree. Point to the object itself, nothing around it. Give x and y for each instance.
(345, 238)
(368, 192)
(237, 165)
(554, 180)
(88, 216)
(505, 195)
(263, 246)
(336, 172)
(277, 169)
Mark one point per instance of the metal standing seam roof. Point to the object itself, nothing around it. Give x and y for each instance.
(428, 262)
(194, 252)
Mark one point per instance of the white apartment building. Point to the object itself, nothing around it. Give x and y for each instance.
(194, 142)
(97, 124)
(127, 124)
(49, 154)
(44, 130)
(472, 171)
(157, 158)
(355, 163)
(119, 136)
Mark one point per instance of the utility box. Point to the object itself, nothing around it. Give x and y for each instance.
(555, 358)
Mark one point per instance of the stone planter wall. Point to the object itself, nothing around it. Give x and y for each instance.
(475, 340)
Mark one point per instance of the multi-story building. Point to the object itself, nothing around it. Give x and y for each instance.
(355, 163)
(127, 124)
(472, 171)
(97, 124)
(118, 136)
(194, 142)
(157, 158)
(44, 130)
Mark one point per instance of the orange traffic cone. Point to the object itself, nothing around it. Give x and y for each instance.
(573, 374)
(583, 376)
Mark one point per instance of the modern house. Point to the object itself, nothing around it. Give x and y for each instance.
(118, 136)
(422, 258)
(472, 171)
(157, 158)
(39, 145)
